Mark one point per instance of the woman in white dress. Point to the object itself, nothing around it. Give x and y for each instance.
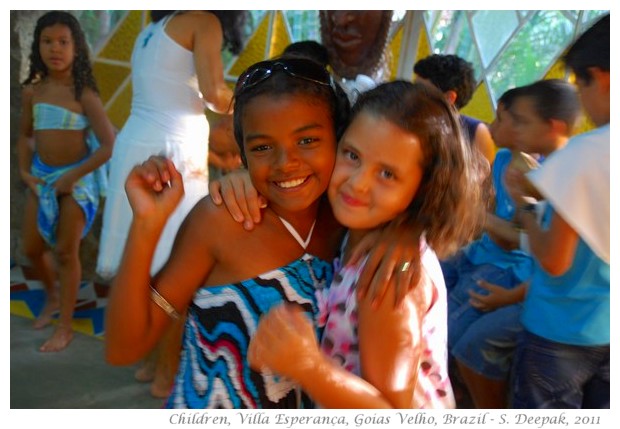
(177, 72)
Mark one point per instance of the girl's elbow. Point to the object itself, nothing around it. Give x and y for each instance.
(108, 155)
(218, 99)
(107, 150)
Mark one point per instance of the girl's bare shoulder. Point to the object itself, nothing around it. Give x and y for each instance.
(192, 22)
(214, 223)
(89, 95)
(200, 17)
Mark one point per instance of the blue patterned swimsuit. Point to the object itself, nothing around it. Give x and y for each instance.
(86, 191)
(214, 372)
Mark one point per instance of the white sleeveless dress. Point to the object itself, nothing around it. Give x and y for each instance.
(167, 118)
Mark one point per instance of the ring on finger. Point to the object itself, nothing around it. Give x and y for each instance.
(405, 266)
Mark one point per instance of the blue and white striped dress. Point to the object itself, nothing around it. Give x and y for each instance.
(214, 371)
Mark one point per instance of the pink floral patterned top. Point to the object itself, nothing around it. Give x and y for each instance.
(338, 316)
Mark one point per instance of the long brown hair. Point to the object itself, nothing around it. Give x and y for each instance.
(449, 202)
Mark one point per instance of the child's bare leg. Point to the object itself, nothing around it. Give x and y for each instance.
(45, 266)
(69, 232)
(42, 261)
(168, 356)
(146, 371)
(485, 392)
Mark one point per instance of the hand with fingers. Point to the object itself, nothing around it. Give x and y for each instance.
(65, 183)
(497, 296)
(239, 196)
(393, 261)
(285, 343)
(517, 186)
(32, 181)
(154, 189)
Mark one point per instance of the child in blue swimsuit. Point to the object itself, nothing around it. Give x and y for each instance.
(65, 140)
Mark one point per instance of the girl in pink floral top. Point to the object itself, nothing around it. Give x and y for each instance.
(402, 158)
(338, 315)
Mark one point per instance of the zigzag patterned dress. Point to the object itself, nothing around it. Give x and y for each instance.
(214, 372)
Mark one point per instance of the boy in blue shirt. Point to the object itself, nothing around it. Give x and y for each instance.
(563, 358)
(484, 305)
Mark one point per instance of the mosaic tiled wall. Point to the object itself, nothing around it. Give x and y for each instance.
(473, 35)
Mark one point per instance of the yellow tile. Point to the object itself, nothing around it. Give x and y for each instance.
(20, 308)
(109, 78)
(480, 106)
(558, 71)
(394, 50)
(118, 112)
(280, 37)
(254, 50)
(120, 45)
(424, 47)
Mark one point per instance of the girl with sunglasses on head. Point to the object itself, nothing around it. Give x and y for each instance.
(402, 155)
(288, 117)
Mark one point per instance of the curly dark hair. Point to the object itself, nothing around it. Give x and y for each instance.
(232, 21)
(449, 73)
(449, 203)
(82, 71)
(281, 83)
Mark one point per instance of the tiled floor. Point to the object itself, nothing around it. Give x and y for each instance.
(77, 377)
(28, 296)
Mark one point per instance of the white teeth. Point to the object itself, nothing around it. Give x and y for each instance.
(291, 183)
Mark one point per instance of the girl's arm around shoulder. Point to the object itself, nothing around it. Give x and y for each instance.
(390, 341)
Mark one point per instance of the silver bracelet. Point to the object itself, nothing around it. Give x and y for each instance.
(164, 304)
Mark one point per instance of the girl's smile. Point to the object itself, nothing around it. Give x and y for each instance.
(289, 160)
(374, 182)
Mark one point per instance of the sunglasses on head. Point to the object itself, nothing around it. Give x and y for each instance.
(296, 67)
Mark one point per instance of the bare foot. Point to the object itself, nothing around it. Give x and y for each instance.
(146, 372)
(59, 340)
(45, 317)
(161, 387)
